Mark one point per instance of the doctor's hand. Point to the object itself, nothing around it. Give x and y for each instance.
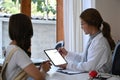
(63, 66)
(63, 51)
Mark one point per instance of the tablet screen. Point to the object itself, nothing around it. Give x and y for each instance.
(55, 57)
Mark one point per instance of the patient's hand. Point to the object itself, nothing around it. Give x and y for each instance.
(45, 66)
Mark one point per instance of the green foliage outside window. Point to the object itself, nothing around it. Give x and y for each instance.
(7, 6)
(42, 8)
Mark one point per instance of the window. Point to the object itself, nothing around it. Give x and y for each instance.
(44, 9)
(40, 9)
(44, 28)
(8, 7)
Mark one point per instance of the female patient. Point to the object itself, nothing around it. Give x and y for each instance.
(97, 55)
(21, 32)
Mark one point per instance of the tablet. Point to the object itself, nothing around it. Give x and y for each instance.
(55, 57)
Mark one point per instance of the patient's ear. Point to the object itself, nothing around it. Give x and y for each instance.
(29, 54)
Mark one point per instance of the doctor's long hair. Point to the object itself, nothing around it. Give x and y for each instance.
(20, 30)
(92, 17)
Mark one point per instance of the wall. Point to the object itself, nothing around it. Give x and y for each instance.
(110, 11)
(44, 38)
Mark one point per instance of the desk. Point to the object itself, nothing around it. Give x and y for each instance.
(34, 60)
(61, 76)
(53, 75)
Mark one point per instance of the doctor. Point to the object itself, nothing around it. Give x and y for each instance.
(98, 53)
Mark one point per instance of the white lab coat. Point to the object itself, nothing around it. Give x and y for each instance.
(99, 57)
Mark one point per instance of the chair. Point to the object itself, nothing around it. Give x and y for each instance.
(116, 60)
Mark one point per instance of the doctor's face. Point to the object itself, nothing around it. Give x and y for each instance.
(86, 28)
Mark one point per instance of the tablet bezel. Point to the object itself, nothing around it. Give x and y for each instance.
(51, 59)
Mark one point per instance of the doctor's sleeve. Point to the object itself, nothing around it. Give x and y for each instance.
(72, 56)
(94, 56)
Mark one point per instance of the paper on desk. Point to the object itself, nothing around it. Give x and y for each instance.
(109, 76)
(65, 71)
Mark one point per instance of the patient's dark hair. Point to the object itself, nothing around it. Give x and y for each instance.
(92, 17)
(21, 30)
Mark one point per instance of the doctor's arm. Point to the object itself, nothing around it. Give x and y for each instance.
(74, 56)
(94, 57)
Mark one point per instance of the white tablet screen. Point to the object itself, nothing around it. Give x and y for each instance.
(55, 57)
